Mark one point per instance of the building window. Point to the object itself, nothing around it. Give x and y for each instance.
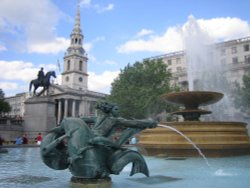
(223, 51)
(235, 60)
(67, 78)
(246, 47)
(178, 69)
(223, 61)
(234, 50)
(68, 65)
(247, 59)
(169, 62)
(80, 65)
(80, 79)
(178, 60)
(75, 40)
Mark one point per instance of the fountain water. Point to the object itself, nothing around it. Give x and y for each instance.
(205, 74)
(204, 71)
(188, 139)
(23, 167)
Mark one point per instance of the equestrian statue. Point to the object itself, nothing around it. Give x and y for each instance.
(42, 81)
(90, 148)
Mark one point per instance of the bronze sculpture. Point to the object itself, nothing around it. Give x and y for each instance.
(42, 82)
(89, 151)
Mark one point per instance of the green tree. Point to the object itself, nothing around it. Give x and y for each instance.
(1, 94)
(242, 94)
(4, 106)
(138, 88)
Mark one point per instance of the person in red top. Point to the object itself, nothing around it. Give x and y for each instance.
(39, 138)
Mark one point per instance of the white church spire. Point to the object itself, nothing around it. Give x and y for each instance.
(77, 27)
(75, 60)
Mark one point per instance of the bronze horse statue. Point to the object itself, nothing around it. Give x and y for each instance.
(45, 82)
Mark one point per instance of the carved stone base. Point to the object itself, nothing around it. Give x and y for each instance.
(79, 182)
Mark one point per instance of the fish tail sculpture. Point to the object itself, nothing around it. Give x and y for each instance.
(123, 157)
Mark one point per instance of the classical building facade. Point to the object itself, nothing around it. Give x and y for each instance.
(233, 56)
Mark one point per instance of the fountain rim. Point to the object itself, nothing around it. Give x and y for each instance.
(194, 94)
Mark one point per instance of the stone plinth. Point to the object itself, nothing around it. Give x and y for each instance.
(39, 115)
(215, 139)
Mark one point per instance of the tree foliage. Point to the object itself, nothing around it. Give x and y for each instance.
(242, 94)
(4, 106)
(138, 88)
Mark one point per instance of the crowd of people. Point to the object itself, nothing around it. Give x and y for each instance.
(24, 139)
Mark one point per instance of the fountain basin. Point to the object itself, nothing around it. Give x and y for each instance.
(193, 99)
(215, 139)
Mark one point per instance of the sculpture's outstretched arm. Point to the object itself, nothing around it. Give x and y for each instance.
(141, 124)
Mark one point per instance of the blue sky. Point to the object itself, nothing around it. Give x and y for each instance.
(35, 33)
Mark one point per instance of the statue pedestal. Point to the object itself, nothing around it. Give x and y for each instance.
(79, 182)
(39, 116)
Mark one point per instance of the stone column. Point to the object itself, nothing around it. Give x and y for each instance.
(65, 108)
(73, 108)
(59, 111)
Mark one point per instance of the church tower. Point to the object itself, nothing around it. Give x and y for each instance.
(74, 73)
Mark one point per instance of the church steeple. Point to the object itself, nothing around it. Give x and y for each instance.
(75, 59)
(76, 34)
(77, 27)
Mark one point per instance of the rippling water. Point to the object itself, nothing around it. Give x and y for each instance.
(23, 168)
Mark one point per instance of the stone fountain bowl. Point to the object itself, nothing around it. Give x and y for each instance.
(193, 99)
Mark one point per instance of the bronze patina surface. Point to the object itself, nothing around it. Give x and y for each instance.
(90, 152)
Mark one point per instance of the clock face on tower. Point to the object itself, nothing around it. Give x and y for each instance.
(80, 79)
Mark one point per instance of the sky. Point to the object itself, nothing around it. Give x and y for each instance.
(36, 33)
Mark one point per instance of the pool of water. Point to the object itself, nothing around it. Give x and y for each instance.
(22, 167)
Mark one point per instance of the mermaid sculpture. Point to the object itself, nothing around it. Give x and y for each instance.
(86, 145)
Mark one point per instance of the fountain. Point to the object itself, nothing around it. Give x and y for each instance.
(214, 138)
(204, 75)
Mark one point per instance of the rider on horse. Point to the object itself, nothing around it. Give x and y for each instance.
(40, 75)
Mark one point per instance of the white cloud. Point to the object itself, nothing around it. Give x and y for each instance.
(225, 28)
(54, 47)
(170, 41)
(85, 2)
(17, 70)
(102, 82)
(109, 62)
(2, 48)
(31, 23)
(97, 7)
(21, 71)
(101, 9)
(219, 29)
(8, 85)
(144, 32)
